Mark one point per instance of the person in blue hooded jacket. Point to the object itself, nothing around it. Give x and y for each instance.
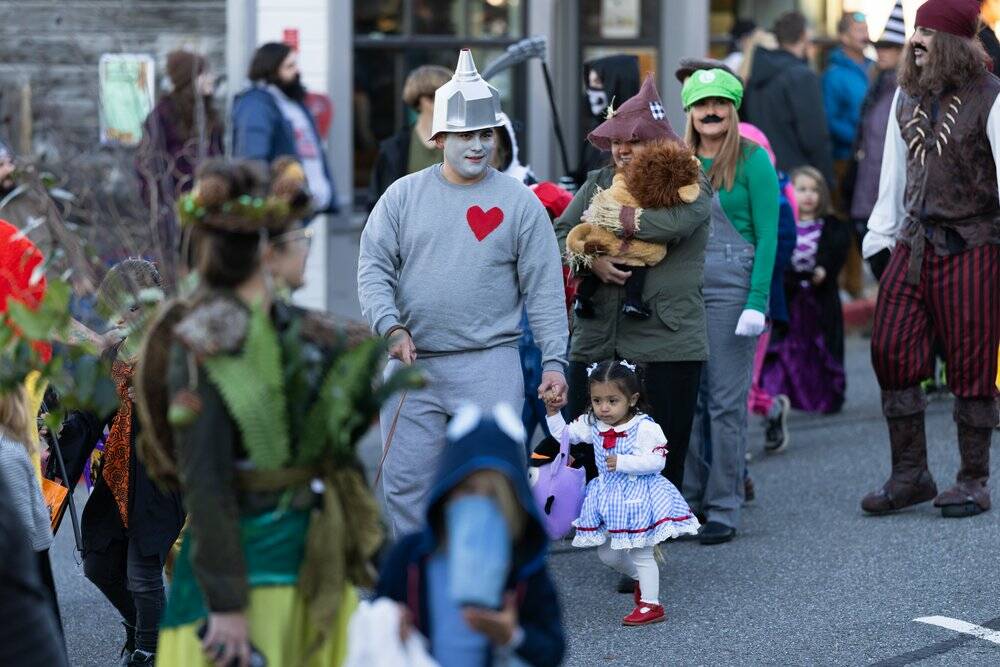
(845, 83)
(474, 579)
(270, 120)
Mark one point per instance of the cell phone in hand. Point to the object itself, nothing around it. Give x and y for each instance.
(257, 658)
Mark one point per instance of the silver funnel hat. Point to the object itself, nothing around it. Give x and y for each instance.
(467, 102)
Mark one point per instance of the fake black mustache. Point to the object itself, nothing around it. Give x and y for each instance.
(711, 118)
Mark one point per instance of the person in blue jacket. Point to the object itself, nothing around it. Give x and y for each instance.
(270, 120)
(474, 579)
(846, 82)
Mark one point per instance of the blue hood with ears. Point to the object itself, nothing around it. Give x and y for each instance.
(493, 440)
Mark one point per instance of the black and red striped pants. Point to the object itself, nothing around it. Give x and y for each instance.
(958, 303)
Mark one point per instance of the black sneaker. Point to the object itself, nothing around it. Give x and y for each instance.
(714, 532)
(140, 657)
(776, 425)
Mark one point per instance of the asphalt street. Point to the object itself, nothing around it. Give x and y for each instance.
(809, 580)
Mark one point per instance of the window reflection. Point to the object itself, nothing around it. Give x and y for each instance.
(393, 37)
(378, 17)
(601, 19)
(439, 17)
(495, 18)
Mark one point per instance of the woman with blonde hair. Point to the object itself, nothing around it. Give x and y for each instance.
(17, 473)
(16, 447)
(739, 262)
(31, 632)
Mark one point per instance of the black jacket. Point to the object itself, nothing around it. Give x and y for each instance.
(155, 517)
(831, 253)
(392, 163)
(784, 99)
(620, 75)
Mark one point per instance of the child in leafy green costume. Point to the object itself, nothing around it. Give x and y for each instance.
(262, 406)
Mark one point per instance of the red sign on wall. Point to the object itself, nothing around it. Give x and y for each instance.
(290, 36)
(321, 108)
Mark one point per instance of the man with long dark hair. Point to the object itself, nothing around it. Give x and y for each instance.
(936, 231)
(270, 120)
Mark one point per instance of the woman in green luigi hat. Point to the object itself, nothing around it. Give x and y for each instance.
(739, 261)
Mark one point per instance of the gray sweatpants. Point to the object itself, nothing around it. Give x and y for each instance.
(483, 378)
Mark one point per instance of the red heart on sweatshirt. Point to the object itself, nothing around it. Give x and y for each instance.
(481, 222)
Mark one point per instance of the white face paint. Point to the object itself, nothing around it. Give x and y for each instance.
(468, 153)
(598, 100)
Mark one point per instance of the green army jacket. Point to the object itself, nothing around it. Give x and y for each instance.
(676, 331)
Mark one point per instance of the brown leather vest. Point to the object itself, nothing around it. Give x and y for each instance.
(951, 178)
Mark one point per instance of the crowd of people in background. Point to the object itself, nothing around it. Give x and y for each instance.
(632, 328)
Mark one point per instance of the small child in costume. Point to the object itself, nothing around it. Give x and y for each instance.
(806, 363)
(629, 507)
(662, 176)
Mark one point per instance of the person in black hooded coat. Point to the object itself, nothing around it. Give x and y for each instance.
(129, 523)
(784, 99)
(483, 450)
(608, 81)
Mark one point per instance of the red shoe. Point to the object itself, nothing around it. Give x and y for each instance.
(637, 594)
(644, 614)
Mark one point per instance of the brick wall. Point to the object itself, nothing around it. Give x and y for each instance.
(55, 46)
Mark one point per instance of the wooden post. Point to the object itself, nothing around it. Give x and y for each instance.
(24, 124)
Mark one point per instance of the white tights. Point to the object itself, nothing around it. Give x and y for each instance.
(640, 564)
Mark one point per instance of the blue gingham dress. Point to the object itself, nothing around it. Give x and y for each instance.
(633, 510)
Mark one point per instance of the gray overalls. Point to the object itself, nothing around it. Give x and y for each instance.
(716, 457)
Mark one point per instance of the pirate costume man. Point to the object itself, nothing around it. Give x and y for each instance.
(938, 213)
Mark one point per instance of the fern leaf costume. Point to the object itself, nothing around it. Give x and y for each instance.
(260, 406)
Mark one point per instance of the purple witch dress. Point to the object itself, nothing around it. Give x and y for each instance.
(800, 365)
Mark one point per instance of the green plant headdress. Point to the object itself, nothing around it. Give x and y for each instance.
(212, 203)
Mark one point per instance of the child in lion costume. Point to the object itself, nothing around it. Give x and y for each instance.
(665, 174)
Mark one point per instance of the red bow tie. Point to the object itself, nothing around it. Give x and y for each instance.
(610, 437)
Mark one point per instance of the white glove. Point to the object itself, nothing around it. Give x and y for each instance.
(751, 323)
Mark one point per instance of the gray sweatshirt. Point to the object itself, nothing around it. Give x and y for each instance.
(455, 264)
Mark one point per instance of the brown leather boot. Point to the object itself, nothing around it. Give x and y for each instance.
(970, 495)
(910, 482)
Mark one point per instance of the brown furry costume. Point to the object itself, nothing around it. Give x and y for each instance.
(665, 175)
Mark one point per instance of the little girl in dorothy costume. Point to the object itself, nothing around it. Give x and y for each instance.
(630, 507)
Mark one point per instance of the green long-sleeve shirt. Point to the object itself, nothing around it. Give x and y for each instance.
(752, 208)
